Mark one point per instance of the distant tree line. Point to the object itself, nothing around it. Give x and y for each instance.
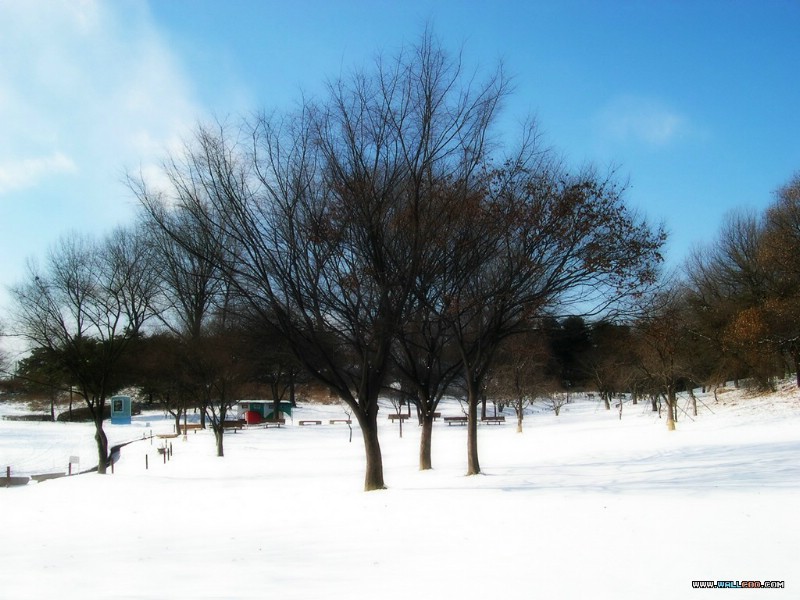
(383, 239)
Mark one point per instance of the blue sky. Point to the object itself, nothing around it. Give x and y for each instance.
(696, 103)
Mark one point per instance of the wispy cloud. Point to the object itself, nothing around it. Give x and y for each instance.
(641, 120)
(18, 174)
(86, 87)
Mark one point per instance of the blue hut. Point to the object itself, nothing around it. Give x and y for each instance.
(121, 410)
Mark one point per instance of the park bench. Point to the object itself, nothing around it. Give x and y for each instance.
(234, 424)
(456, 420)
(312, 422)
(395, 417)
(13, 481)
(47, 476)
(345, 421)
(273, 423)
(189, 426)
(490, 420)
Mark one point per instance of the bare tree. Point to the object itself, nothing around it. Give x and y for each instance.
(779, 257)
(427, 366)
(519, 374)
(538, 239)
(611, 361)
(731, 292)
(662, 341)
(85, 307)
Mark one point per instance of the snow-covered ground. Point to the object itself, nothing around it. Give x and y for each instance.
(583, 505)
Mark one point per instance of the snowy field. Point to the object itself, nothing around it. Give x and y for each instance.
(582, 506)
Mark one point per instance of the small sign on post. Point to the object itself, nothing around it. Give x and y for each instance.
(73, 460)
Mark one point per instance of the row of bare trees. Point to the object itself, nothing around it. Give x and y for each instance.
(381, 234)
(383, 225)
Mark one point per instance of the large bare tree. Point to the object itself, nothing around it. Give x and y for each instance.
(538, 239)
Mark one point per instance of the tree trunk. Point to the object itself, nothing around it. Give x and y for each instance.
(425, 462)
(276, 407)
(177, 415)
(373, 478)
(102, 444)
(219, 432)
(694, 401)
(473, 464)
(483, 406)
(292, 398)
(671, 410)
(606, 401)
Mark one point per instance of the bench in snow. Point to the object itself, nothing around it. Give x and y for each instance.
(456, 420)
(490, 420)
(310, 422)
(189, 426)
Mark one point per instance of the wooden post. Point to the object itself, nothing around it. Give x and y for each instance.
(146, 462)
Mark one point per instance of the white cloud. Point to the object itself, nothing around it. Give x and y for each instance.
(88, 89)
(89, 80)
(642, 120)
(17, 174)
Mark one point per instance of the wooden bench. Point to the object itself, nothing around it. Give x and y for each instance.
(190, 426)
(13, 481)
(490, 420)
(273, 423)
(234, 424)
(310, 423)
(456, 420)
(345, 421)
(395, 417)
(47, 476)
